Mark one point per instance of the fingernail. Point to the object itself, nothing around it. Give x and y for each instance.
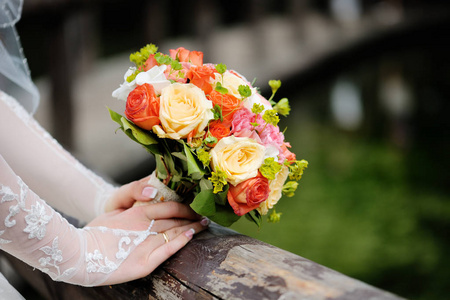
(205, 221)
(190, 233)
(149, 192)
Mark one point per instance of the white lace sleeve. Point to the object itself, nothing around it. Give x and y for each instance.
(35, 233)
(46, 167)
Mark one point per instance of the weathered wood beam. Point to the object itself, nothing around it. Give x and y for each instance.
(222, 264)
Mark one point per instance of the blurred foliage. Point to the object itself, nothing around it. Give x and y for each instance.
(356, 212)
(366, 206)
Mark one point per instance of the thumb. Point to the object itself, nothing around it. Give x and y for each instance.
(128, 194)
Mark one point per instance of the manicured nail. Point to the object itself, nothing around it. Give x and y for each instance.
(205, 221)
(190, 233)
(149, 192)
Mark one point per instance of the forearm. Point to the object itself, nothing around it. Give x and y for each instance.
(36, 234)
(47, 168)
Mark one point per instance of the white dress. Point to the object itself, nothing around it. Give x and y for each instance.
(34, 167)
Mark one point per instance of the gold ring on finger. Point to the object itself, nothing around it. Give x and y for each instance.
(166, 237)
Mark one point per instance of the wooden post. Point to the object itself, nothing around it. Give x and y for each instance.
(62, 79)
(222, 264)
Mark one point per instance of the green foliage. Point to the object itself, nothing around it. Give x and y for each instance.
(217, 111)
(283, 107)
(270, 168)
(244, 91)
(139, 58)
(289, 188)
(219, 88)
(255, 217)
(296, 169)
(135, 133)
(204, 157)
(274, 85)
(218, 179)
(274, 217)
(270, 116)
(212, 205)
(257, 108)
(221, 68)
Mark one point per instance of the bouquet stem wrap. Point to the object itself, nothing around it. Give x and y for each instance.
(164, 193)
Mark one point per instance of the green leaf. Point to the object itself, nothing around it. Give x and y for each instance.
(140, 135)
(204, 203)
(205, 184)
(224, 216)
(197, 176)
(116, 117)
(255, 217)
(160, 167)
(170, 164)
(152, 147)
(219, 88)
(180, 155)
(217, 111)
(192, 164)
(221, 197)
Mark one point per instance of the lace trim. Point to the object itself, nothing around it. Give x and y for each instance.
(36, 217)
(97, 263)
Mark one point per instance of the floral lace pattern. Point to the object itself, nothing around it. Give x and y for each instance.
(23, 211)
(36, 218)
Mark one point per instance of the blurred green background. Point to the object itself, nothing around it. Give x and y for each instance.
(369, 86)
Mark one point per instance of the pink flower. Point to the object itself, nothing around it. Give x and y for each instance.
(270, 135)
(178, 75)
(242, 120)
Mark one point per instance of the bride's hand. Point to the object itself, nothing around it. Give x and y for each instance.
(126, 195)
(177, 221)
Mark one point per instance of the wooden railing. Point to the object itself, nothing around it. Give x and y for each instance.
(221, 264)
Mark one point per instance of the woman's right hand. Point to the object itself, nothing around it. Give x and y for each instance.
(177, 221)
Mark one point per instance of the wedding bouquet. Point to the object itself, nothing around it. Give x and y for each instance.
(215, 138)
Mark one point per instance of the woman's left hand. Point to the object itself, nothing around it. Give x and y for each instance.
(125, 196)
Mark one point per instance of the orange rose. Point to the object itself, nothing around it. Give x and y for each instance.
(229, 104)
(288, 155)
(218, 130)
(184, 55)
(142, 107)
(201, 77)
(247, 195)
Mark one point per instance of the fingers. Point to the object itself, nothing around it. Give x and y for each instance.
(172, 233)
(166, 224)
(178, 238)
(128, 194)
(169, 210)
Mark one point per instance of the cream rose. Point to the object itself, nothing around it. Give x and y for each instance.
(231, 82)
(239, 157)
(276, 187)
(183, 109)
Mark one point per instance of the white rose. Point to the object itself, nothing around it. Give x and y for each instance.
(239, 157)
(126, 87)
(276, 187)
(272, 151)
(231, 82)
(155, 76)
(256, 98)
(184, 109)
